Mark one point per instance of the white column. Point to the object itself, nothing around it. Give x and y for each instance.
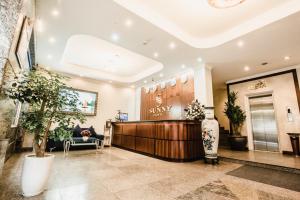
(138, 103)
(203, 85)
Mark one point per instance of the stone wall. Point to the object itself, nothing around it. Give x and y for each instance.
(9, 15)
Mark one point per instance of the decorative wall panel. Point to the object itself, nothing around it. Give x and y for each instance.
(168, 102)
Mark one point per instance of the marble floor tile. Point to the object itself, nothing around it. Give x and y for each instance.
(117, 174)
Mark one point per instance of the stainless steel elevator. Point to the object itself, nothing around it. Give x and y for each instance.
(264, 129)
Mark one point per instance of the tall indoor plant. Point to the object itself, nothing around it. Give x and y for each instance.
(237, 118)
(47, 98)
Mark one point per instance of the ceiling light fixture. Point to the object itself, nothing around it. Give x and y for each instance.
(224, 3)
(128, 22)
(132, 86)
(155, 55)
(145, 81)
(49, 56)
(183, 66)
(52, 40)
(287, 58)
(172, 45)
(110, 81)
(199, 59)
(240, 43)
(55, 12)
(161, 75)
(115, 37)
(246, 68)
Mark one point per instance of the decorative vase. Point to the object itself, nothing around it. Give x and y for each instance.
(35, 174)
(210, 134)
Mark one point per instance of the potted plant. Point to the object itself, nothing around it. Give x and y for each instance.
(46, 95)
(236, 117)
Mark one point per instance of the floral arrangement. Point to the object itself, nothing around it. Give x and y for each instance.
(195, 111)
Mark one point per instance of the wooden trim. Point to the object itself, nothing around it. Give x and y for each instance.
(230, 124)
(264, 76)
(288, 152)
(295, 77)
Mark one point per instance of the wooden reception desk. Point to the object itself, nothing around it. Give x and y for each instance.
(173, 140)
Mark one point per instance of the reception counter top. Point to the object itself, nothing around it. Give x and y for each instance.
(173, 140)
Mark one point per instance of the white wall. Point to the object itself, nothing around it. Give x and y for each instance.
(110, 99)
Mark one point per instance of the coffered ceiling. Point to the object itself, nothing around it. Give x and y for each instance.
(113, 40)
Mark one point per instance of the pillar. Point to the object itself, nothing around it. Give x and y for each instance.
(203, 85)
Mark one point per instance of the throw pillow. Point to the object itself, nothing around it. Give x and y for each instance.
(85, 133)
(77, 131)
(92, 130)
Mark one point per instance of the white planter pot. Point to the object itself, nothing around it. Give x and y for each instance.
(210, 134)
(35, 174)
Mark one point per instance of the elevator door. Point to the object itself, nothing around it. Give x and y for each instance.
(263, 123)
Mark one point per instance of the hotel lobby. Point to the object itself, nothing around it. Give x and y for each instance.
(141, 99)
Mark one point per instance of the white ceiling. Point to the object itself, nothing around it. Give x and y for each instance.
(105, 60)
(203, 26)
(102, 18)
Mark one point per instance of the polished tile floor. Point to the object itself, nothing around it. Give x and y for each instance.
(271, 158)
(118, 174)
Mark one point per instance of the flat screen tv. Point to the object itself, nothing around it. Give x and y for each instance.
(123, 116)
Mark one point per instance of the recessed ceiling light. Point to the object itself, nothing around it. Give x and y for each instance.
(246, 68)
(110, 81)
(128, 22)
(287, 58)
(132, 86)
(199, 59)
(115, 37)
(172, 45)
(161, 75)
(52, 40)
(155, 55)
(55, 12)
(49, 56)
(80, 75)
(145, 81)
(224, 3)
(183, 66)
(240, 43)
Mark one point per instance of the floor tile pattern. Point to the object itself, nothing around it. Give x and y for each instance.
(117, 174)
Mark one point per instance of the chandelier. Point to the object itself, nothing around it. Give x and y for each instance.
(224, 3)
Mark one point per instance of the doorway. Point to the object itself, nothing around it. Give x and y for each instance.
(264, 129)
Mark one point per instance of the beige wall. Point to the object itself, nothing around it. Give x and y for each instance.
(220, 97)
(283, 89)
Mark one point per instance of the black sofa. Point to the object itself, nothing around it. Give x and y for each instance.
(53, 145)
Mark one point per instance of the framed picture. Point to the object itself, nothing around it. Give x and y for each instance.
(22, 50)
(87, 102)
